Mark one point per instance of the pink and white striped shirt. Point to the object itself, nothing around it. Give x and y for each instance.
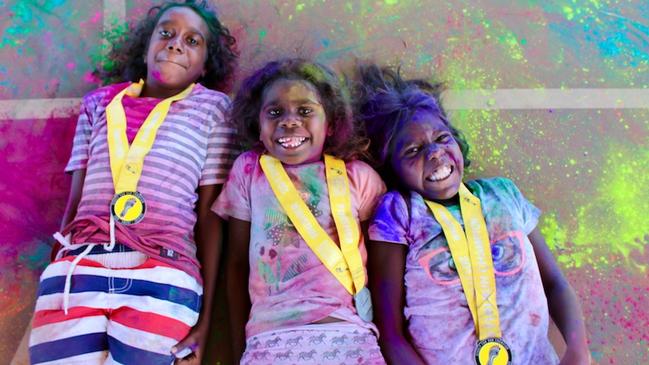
(195, 146)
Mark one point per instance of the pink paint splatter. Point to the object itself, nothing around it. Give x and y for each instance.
(90, 78)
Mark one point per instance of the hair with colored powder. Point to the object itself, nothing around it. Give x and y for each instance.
(385, 102)
(345, 142)
(126, 59)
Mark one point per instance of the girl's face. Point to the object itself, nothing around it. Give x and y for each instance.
(426, 158)
(292, 122)
(177, 50)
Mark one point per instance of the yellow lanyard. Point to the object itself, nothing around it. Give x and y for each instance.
(344, 263)
(472, 255)
(126, 163)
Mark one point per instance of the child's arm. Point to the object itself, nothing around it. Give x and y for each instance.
(237, 272)
(208, 243)
(385, 267)
(563, 303)
(78, 177)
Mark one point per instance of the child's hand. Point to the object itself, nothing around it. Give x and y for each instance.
(189, 351)
(575, 357)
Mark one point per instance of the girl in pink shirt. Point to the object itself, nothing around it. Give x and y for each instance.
(295, 310)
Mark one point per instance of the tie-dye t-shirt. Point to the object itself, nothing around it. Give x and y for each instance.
(288, 284)
(439, 320)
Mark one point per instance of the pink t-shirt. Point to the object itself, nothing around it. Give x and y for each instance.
(288, 284)
(194, 146)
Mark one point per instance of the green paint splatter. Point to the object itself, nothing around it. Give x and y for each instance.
(616, 220)
(262, 34)
(568, 12)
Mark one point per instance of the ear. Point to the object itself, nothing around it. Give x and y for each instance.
(330, 130)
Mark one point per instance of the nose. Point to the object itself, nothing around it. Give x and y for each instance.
(433, 151)
(174, 44)
(290, 121)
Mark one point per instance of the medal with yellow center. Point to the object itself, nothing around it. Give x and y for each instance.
(128, 207)
(493, 351)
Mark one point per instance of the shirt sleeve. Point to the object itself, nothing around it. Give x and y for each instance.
(390, 222)
(528, 213)
(81, 143)
(222, 146)
(368, 187)
(234, 200)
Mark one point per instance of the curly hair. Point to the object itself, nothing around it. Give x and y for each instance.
(345, 142)
(385, 102)
(126, 58)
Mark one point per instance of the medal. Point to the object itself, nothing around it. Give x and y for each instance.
(493, 351)
(128, 207)
(344, 263)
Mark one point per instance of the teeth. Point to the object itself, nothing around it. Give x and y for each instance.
(441, 173)
(291, 142)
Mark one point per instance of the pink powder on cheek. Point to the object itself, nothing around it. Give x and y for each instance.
(157, 75)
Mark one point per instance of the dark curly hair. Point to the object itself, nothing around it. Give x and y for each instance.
(126, 58)
(385, 102)
(345, 143)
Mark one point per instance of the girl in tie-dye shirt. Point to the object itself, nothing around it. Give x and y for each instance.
(420, 307)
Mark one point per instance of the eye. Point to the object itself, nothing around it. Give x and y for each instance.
(440, 266)
(304, 111)
(165, 33)
(192, 41)
(274, 112)
(444, 138)
(508, 254)
(412, 151)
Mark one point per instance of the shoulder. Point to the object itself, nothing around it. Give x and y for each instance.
(103, 95)
(497, 186)
(203, 94)
(247, 158)
(393, 198)
(357, 169)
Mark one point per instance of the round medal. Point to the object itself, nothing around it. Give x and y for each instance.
(128, 207)
(493, 351)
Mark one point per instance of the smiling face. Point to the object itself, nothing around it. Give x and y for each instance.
(292, 122)
(177, 52)
(426, 158)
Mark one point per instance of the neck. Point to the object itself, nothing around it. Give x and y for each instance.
(455, 200)
(153, 91)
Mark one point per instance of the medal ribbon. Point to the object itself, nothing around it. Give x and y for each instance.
(344, 263)
(126, 162)
(472, 255)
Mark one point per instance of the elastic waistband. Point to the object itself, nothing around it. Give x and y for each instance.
(99, 250)
(121, 257)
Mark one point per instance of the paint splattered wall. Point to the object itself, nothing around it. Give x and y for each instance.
(582, 157)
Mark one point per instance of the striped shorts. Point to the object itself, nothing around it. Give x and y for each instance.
(115, 316)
